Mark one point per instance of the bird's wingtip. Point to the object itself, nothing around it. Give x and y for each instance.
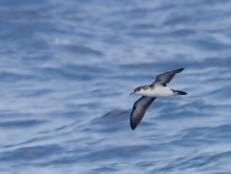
(180, 69)
(132, 125)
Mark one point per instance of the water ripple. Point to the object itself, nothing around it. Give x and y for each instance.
(67, 69)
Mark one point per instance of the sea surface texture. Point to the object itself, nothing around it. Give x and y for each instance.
(66, 71)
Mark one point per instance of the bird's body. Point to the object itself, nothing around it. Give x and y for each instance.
(156, 91)
(149, 93)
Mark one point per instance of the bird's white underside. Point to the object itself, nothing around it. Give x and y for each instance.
(157, 91)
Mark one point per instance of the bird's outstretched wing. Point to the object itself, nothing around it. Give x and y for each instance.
(139, 109)
(166, 77)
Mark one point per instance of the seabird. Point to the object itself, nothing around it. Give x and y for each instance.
(149, 93)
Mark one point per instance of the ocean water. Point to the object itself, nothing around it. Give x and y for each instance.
(66, 71)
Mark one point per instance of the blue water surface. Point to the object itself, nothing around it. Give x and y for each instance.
(66, 71)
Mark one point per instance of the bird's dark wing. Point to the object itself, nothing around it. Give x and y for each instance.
(165, 78)
(139, 109)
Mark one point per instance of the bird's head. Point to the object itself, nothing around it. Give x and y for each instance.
(138, 90)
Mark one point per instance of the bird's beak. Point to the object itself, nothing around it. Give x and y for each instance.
(131, 93)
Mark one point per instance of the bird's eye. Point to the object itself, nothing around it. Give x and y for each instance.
(137, 89)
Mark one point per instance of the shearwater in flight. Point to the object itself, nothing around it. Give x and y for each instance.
(149, 93)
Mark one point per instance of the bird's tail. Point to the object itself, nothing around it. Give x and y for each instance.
(177, 92)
